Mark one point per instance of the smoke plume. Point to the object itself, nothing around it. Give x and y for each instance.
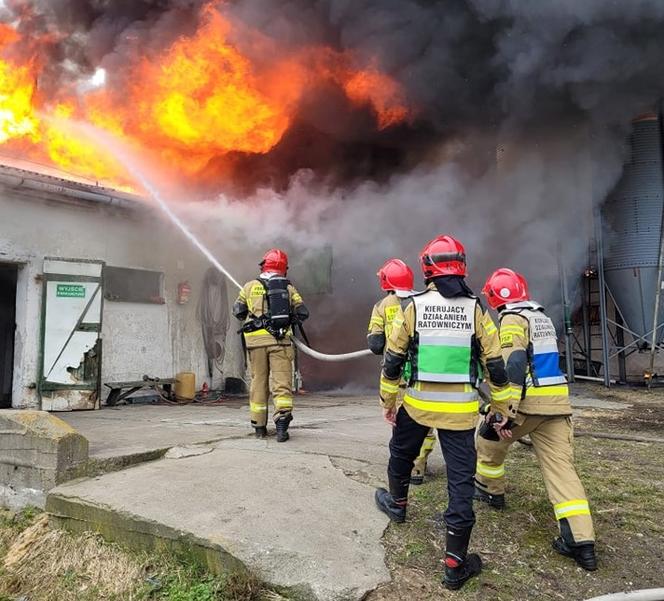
(518, 112)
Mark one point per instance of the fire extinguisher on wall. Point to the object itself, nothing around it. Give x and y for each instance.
(184, 292)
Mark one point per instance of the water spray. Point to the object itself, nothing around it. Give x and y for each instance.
(122, 156)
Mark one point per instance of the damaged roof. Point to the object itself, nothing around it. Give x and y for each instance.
(54, 188)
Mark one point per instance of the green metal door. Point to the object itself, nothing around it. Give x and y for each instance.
(70, 360)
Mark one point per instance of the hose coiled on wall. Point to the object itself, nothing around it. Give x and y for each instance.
(213, 313)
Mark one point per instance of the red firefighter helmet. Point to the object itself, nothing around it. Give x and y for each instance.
(444, 255)
(395, 275)
(505, 286)
(275, 260)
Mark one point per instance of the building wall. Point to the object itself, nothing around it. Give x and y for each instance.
(138, 338)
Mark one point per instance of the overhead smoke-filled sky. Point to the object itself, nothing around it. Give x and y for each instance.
(368, 126)
(252, 91)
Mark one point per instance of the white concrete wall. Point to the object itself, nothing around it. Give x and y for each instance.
(138, 339)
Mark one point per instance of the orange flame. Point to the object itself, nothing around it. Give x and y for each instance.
(381, 92)
(17, 91)
(197, 100)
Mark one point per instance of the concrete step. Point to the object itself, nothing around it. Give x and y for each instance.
(287, 515)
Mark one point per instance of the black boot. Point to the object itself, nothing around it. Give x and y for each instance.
(459, 566)
(583, 553)
(495, 501)
(395, 510)
(282, 427)
(394, 502)
(261, 431)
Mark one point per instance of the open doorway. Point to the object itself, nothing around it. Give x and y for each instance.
(8, 278)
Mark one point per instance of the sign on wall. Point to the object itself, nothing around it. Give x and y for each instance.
(70, 291)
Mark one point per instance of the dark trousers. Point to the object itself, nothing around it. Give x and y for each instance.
(458, 448)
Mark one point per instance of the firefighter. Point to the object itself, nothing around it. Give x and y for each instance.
(447, 334)
(269, 306)
(396, 278)
(539, 407)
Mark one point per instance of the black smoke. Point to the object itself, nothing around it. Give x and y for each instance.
(500, 67)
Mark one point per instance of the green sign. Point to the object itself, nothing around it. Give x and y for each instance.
(70, 291)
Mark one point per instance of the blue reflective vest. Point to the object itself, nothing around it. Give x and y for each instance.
(543, 353)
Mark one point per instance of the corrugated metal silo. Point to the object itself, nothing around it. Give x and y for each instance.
(633, 223)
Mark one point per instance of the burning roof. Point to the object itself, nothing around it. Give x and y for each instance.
(188, 102)
(48, 184)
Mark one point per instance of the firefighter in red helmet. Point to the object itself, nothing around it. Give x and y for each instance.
(269, 306)
(447, 335)
(396, 278)
(539, 407)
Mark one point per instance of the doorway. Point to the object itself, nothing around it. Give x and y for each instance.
(8, 279)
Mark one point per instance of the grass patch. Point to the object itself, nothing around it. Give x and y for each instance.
(625, 484)
(43, 564)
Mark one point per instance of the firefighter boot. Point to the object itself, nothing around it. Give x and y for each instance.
(583, 552)
(261, 431)
(394, 502)
(282, 427)
(459, 566)
(495, 501)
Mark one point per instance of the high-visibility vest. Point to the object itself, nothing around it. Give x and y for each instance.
(543, 355)
(443, 349)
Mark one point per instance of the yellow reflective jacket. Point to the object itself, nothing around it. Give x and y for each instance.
(449, 406)
(525, 397)
(253, 296)
(380, 325)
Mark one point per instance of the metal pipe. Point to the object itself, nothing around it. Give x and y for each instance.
(660, 260)
(602, 295)
(567, 322)
(620, 336)
(651, 594)
(587, 339)
(592, 379)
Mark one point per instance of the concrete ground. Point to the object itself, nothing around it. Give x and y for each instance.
(300, 515)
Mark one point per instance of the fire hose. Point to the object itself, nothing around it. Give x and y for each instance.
(131, 166)
(651, 594)
(326, 357)
(333, 358)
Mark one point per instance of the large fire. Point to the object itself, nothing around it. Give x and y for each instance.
(196, 100)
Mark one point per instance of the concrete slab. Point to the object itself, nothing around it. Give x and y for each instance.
(349, 429)
(288, 515)
(134, 429)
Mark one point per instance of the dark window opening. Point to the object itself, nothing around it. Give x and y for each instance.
(8, 279)
(133, 285)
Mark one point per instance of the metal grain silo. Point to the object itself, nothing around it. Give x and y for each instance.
(633, 224)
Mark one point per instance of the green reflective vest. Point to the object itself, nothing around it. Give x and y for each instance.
(443, 348)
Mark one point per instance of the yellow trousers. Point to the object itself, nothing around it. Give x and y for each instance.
(271, 371)
(552, 438)
(420, 466)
